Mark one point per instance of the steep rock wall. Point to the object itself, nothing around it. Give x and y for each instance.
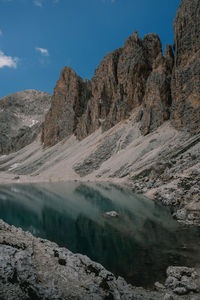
(122, 82)
(134, 77)
(68, 103)
(186, 72)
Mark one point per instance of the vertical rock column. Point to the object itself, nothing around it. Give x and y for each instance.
(70, 96)
(186, 73)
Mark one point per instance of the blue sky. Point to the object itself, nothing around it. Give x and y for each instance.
(39, 37)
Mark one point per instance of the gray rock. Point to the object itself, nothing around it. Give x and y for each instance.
(181, 280)
(178, 272)
(159, 286)
(168, 297)
(180, 291)
(195, 298)
(33, 268)
(185, 84)
(191, 217)
(171, 282)
(189, 284)
(112, 213)
(21, 117)
(181, 214)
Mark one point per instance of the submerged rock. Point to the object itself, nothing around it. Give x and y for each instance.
(112, 213)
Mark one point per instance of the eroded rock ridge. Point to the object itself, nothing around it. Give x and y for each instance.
(136, 77)
(186, 73)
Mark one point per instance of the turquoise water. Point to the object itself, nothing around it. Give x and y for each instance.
(138, 245)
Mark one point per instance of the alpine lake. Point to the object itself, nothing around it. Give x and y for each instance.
(138, 244)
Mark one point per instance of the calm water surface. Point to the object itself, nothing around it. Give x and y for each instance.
(138, 245)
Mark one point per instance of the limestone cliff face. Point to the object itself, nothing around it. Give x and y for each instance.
(157, 98)
(134, 77)
(122, 82)
(68, 103)
(186, 72)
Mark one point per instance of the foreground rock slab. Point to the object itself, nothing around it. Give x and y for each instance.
(33, 268)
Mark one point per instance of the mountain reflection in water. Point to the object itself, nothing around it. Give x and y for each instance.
(138, 245)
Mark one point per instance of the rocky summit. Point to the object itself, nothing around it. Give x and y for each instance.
(136, 77)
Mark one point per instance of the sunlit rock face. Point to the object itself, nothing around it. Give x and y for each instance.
(157, 98)
(134, 76)
(68, 103)
(21, 116)
(186, 72)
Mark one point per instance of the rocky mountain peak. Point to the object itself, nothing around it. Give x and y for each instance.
(136, 79)
(135, 35)
(68, 102)
(131, 78)
(117, 87)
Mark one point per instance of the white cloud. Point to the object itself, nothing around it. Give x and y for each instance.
(38, 3)
(1, 33)
(106, 1)
(8, 61)
(43, 51)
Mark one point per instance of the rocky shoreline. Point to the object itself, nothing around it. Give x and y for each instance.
(34, 268)
(159, 168)
(174, 179)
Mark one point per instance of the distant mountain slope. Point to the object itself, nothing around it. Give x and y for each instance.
(21, 116)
